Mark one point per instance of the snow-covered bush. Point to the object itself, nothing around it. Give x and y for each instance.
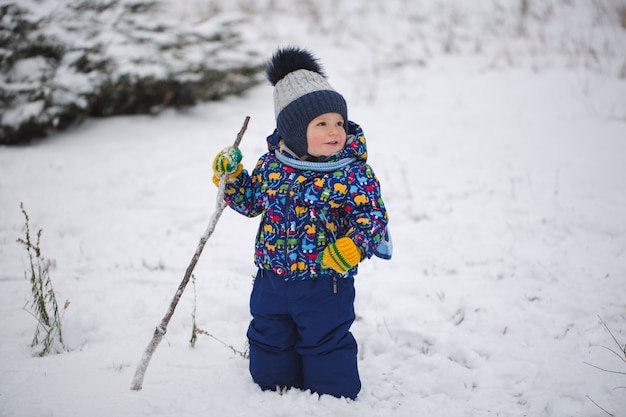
(63, 61)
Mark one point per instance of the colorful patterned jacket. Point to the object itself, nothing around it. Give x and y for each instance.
(303, 210)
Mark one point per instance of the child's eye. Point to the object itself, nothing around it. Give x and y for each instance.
(340, 124)
(321, 124)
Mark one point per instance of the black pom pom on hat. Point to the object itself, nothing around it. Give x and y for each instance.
(301, 93)
(290, 59)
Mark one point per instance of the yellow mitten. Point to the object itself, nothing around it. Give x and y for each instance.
(341, 255)
(227, 163)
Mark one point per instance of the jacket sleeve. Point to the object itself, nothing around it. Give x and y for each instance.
(243, 194)
(368, 216)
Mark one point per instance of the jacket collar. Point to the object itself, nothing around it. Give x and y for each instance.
(356, 146)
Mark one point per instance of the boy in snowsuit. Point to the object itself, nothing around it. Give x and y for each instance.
(321, 215)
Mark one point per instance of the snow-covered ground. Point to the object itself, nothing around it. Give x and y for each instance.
(503, 166)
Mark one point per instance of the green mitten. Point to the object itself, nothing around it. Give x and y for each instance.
(227, 163)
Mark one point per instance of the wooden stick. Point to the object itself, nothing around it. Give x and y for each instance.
(161, 329)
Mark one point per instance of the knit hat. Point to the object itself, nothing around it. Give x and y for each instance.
(301, 93)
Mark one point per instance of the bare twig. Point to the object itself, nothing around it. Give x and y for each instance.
(596, 404)
(622, 348)
(619, 355)
(43, 305)
(160, 330)
(605, 370)
(197, 330)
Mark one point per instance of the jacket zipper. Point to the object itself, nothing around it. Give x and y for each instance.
(288, 228)
(287, 224)
(322, 217)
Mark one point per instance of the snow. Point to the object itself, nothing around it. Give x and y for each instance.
(14, 117)
(504, 181)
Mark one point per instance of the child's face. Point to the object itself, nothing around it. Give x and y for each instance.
(325, 135)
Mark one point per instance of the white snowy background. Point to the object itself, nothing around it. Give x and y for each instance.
(499, 136)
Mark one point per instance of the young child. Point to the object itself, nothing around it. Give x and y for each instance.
(321, 214)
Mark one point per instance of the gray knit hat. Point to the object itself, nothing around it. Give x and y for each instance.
(301, 93)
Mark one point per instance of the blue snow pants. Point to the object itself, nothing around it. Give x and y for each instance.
(300, 336)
